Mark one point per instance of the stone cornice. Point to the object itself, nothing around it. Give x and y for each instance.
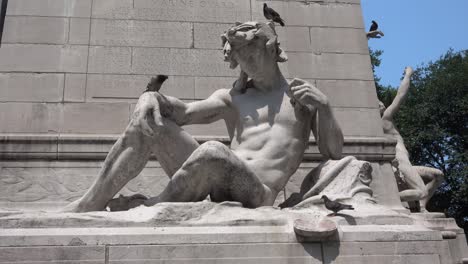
(96, 147)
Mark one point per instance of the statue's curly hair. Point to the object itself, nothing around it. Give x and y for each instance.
(265, 31)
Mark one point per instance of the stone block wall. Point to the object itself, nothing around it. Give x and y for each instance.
(78, 66)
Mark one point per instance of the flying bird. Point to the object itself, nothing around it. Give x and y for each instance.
(271, 14)
(335, 206)
(156, 82)
(374, 26)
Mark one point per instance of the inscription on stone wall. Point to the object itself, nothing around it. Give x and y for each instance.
(225, 11)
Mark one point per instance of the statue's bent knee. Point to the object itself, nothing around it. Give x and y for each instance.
(212, 150)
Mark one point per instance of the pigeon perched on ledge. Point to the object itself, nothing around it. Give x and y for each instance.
(271, 14)
(335, 206)
(374, 26)
(156, 82)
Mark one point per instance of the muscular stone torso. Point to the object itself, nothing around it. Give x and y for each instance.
(269, 134)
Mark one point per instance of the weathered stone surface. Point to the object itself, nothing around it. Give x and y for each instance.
(44, 254)
(43, 58)
(130, 87)
(106, 118)
(348, 93)
(110, 59)
(30, 87)
(208, 35)
(75, 87)
(79, 31)
(54, 8)
(294, 38)
(359, 121)
(300, 13)
(227, 11)
(37, 30)
(27, 117)
(330, 66)
(213, 253)
(191, 62)
(141, 33)
(383, 259)
(205, 86)
(341, 40)
(50, 184)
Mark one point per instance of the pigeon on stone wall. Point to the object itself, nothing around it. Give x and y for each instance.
(335, 206)
(156, 82)
(374, 26)
(271, 14)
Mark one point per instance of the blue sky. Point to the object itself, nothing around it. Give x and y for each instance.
(416, 32)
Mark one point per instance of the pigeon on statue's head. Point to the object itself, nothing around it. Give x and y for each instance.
(271, 14)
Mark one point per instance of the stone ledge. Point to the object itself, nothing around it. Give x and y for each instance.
(96, 147)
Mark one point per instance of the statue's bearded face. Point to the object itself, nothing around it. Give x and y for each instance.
(252, 45)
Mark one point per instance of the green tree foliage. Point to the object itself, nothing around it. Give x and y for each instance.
(434, 124)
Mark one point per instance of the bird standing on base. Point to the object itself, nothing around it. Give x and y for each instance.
(271, 14)
(155, 84)
(335, 206)
(374, 26)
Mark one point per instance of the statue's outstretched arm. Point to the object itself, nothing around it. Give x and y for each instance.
(206, 111)
(400, 97)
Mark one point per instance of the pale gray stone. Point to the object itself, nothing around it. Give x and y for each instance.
(37, 30)
(349, 93)
(208, 35)
(191, 62)
(330, 66)
(29, 87)
(341, 40)
(40, 117)
(224, 11)
(110, 59)
(141, 33)
(130, 87)
(53, 8)
(79, 31)
(112, 117)
(295, 38)
(359, 121)
(245, 253)
(205, 86)
(47, 58)
(300, 13)
(75, 87)
(75, 254)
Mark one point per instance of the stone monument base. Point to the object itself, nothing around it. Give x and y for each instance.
(227, 233)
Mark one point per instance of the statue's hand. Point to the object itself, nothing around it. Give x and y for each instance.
(409, 71)
(147, 113)
(306, 94)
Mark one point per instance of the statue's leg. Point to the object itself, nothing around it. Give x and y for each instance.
(213, 169)
(129, 155)
(433, 178)
(417, 190)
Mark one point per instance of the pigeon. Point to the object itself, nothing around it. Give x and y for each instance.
(271, 14)
(155, 84)
(335, 206)
(374, 26)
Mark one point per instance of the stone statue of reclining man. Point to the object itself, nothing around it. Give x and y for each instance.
(269, 134)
